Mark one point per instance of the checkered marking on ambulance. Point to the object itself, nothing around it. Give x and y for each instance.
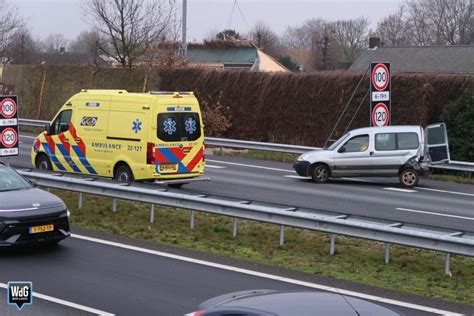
(185, 158)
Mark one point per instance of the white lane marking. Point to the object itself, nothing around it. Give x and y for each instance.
(26, 136)
(266, 276)
(444, 191)
(433, 213)
(215, 167)
(249, 166)
(400, 190)
(65, 303)
(296, 177)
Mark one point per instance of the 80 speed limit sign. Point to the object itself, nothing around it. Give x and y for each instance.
(9, 126)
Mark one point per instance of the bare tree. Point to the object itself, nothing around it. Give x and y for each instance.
(351, 36)
(10, 23)
(394, 29)
(21, 48)
(130, 27)
(265, 38)
(54, 43)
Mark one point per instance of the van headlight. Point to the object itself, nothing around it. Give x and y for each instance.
(303, 157)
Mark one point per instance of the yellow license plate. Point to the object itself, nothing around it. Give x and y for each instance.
(41, 229)
(169, 167)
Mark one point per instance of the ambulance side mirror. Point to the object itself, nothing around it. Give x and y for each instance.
(47, 128)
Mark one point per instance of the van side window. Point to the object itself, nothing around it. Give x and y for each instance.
(407, 141)
(357, 144)
(61, 123)
(385, 141)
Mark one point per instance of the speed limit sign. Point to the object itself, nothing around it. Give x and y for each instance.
(9, 126)
(9, 137)
(380, 115)
(380, 77)
(8, 108)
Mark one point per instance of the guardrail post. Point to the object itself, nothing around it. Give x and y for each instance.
(447, 261)
(387, 252)
(282, 235)
(192, 220)
(152, 214)
(80, 200)
(236, 227)
(332, 245)
(114, 205)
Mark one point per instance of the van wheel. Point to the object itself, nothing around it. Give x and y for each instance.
(43, 163)
(124, 174)
(321, 174)
(409, 178)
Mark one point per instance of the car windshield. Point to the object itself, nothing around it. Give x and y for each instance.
(340, 140)
(10, 180)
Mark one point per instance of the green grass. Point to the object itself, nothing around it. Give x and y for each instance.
(411, 270)
(256, 154)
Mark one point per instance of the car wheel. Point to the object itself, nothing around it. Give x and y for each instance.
(124, 174)
(43, 163)
(409, 178)
(321, 174)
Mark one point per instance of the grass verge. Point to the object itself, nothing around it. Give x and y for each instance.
(411, 270)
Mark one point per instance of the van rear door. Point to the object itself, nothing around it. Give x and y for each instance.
(436, 143)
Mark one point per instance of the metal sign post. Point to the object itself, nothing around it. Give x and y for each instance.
(9, 142)
(380, 94)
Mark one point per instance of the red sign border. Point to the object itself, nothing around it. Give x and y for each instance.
(375, 109)
(16, 135)
(388, 77)
(1, 108)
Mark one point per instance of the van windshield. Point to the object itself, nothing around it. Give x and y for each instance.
(178, 127)
(340, 140)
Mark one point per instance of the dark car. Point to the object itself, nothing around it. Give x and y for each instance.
(270, 303)
(29, 215)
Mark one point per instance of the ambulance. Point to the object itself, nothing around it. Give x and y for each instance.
(125, 136)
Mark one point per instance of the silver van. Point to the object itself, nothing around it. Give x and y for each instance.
(393, 151)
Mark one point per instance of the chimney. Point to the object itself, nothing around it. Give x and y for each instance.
(374, 42)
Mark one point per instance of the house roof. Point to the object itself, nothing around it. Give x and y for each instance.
(241, 55)
(438, 59)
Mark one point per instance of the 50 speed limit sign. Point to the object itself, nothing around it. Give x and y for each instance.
(380, 115)
(8, 108)
(9, 137)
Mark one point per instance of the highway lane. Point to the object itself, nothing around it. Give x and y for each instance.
(433, 203)
(130, 282)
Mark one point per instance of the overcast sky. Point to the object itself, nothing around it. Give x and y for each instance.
(204, 16)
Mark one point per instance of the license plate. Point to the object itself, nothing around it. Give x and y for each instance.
(169, 167)
(41, 229)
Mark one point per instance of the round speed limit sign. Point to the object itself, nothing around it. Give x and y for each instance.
(8, 108)
(380, 77)
(380, 115)
(9, 137)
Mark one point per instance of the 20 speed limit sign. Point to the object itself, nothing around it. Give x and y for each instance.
(8, 108)
(380, 77)
(380, 115)
(9, 137)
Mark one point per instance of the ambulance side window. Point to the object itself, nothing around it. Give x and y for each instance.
(61, 123)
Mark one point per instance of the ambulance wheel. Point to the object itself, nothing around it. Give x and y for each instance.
(43, 162)
(123, 174)
(409, 178)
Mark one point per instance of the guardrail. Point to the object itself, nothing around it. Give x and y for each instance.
(285, 148)
(449, 242)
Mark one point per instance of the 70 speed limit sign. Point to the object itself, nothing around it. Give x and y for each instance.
(9, 126)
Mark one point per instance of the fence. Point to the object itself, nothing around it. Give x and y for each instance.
(449, 242)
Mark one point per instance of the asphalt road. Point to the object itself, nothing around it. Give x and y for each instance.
(434, 203)
(129, 282)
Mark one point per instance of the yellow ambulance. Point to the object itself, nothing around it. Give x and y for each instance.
(126, 136)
